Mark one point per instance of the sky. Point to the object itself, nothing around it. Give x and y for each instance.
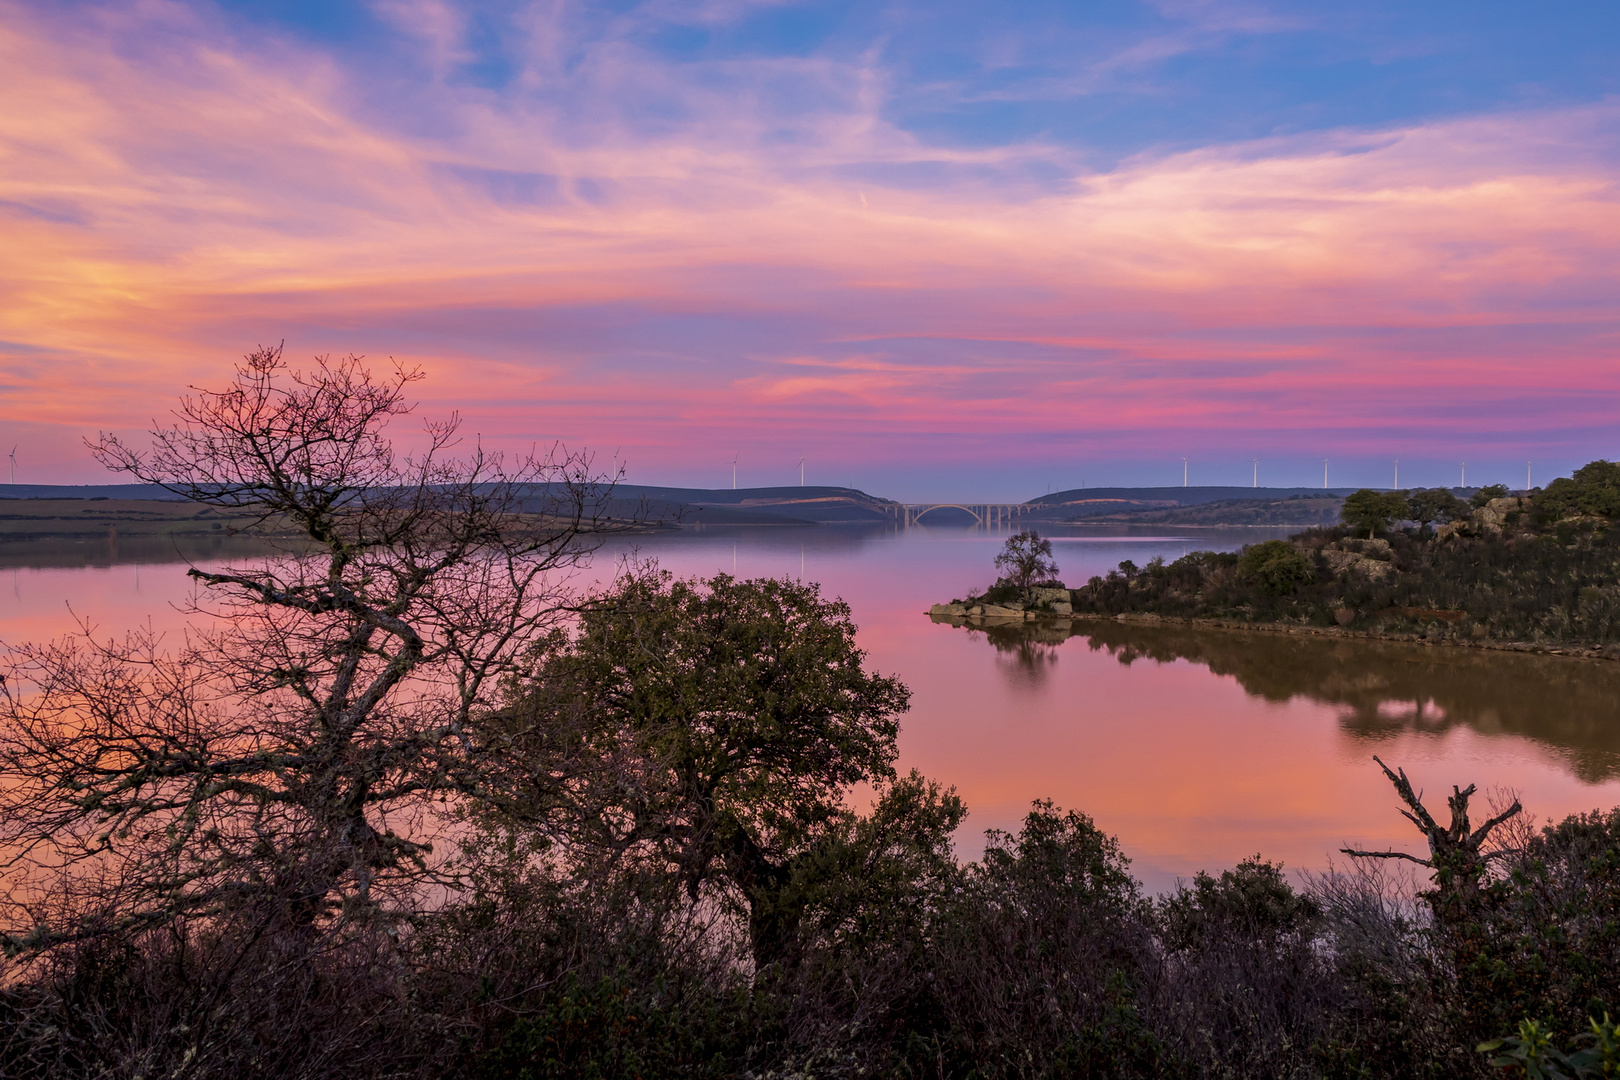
(941, 250)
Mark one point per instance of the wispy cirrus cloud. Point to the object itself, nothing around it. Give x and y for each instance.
(771, 256)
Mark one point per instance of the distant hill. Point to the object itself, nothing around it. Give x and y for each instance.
(685, 506)
(1294, 510)
(86, 491)
(1102, 502)
(745, 506)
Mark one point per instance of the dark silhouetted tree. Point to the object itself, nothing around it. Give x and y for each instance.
(1373, 511)
(1430, 505)
(731, 719)
(286, 760)
(1025, 560)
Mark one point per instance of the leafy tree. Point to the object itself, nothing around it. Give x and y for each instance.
(1485, 494)
(1277, 566)
(1594, 490)
(1435, 504)
(1373, 511)
(727, 721)
(1026, 560)
(285, 762)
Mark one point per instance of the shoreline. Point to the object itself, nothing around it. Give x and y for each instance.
(1575, 652)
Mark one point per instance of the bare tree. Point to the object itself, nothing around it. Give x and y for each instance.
(292, 758)
(1025, 560)
(1457, 852)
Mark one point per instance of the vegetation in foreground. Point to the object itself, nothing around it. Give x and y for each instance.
(412, 809)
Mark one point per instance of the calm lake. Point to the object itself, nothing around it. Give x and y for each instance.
(1196, 748)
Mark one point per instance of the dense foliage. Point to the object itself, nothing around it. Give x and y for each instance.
(1042, 959)
(1545, 568)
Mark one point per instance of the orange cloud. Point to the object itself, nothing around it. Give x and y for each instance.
(172, 196)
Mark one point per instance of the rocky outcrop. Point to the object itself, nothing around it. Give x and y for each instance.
(1369, 558)
(1020, 612)
(1495, 514)
(1044, 600)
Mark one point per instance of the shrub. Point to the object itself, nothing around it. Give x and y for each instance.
(1277, 567)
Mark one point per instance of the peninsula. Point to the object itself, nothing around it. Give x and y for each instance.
(1536, 570)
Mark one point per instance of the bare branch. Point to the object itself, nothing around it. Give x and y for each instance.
(301, 754)
(1385, 855)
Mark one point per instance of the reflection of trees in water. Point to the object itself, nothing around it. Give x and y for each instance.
(1382, 689)
(114, 550)
(1386, 688)
(1025, 652)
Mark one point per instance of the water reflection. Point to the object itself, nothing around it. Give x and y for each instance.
(115, 550)
(1203, 750)
(1379, 690)
(1025, 652)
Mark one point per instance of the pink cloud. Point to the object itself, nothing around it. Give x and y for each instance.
(172, 197)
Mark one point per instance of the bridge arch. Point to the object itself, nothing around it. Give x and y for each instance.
(917, 512)
(987, 515)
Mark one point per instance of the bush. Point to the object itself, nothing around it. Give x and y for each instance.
(1277, 566)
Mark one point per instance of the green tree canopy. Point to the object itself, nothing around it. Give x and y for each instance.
(1435, 504)
(1593, 491)
(1373, 511)
(713, 727)
(1485, 494)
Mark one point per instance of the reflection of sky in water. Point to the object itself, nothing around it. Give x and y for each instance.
(1204, 749)
(1420, 712)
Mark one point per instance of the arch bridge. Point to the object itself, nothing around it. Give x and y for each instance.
(989, 515)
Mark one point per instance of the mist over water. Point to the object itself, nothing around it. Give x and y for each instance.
(1198, 748)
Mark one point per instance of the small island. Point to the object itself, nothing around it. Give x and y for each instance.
(1536, 570)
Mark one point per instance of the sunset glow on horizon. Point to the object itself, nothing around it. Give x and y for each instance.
(942, 250)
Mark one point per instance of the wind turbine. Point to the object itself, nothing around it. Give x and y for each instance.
(1462, 478)
(13, 457)
(801, 470)
(1256, 472)
(1527, 475)
(1183, 472)
(1324, 474)
(734, 458)
(1397, 474)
